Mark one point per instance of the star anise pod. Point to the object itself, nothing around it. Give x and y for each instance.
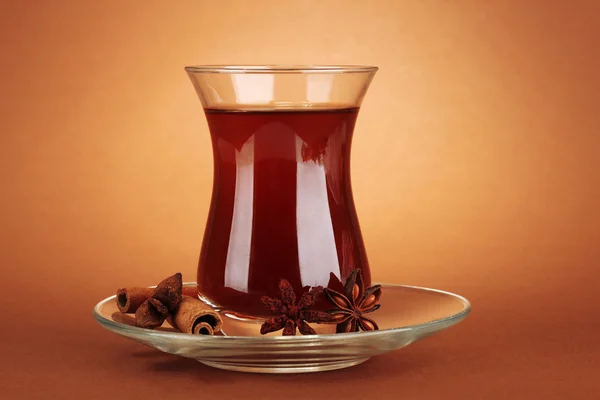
(291, 315)
(353, 304)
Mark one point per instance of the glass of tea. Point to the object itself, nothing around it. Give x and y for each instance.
(282, 205)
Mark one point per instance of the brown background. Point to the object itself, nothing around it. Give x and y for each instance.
(476, 169)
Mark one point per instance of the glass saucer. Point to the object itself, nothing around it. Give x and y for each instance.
(407, 314)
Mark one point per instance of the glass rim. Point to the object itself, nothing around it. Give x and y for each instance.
(280, 69)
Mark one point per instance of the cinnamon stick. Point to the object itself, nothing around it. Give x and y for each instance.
(153, 306)
(151, 314)
(192, 317)
(130, 299)
(204, 328)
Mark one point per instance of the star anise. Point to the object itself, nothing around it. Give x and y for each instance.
(291, 315)
(353, 304)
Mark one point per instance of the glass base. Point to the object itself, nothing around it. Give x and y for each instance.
(286, 368)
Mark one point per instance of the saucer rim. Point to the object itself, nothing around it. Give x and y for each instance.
(451, 320)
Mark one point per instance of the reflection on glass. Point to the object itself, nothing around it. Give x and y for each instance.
(237, 264)
(317, 254)
(254, 89)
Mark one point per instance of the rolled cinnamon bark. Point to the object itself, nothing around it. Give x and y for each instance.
(130, 299)
(151, 314)
(191, 315)
(203, 328)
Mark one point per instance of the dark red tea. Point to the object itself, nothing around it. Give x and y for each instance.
(281, 207)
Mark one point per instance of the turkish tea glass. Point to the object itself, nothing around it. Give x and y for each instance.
(282, 204)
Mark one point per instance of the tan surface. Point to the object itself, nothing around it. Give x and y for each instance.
(475, 168)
